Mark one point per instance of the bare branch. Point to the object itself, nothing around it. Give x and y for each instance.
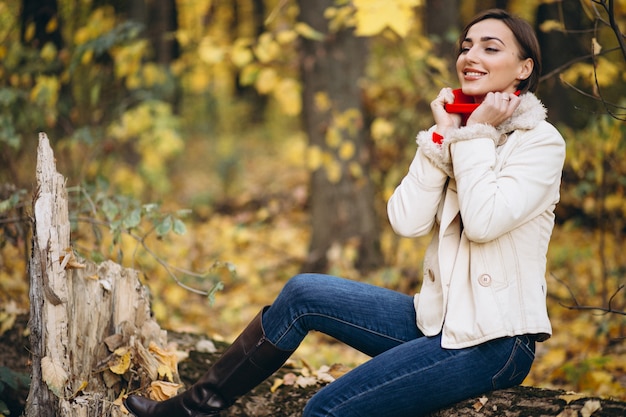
(609, 309)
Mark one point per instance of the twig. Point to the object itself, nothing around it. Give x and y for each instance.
(577, 306)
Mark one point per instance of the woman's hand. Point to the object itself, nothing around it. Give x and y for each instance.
(443, 119)
(495, 109)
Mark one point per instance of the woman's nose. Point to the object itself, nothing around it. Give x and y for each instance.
(470, 55)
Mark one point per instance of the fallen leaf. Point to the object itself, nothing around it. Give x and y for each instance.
(338, 369)
(278, 382)
(571, 396)
(590, 407)
(53, 375)
(306, 381)
(121, 364)
(289, 378)
(163, 390)
(480, 403)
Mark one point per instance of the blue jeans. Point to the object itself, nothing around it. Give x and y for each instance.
(409, 374)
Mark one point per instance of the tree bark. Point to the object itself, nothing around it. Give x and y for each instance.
(342, 195)
(80, 313)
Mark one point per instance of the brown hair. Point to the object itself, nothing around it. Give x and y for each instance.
(524, 35)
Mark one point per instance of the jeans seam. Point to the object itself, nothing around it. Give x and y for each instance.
(291, 325)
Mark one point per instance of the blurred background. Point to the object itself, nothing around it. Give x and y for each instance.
(221, 146)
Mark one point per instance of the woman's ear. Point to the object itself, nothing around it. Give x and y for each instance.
(526, 68)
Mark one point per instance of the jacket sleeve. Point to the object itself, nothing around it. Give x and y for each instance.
(413, 205)
(495, 201)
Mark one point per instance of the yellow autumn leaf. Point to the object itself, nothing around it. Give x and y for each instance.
(287, 93)
(122, 362)
(52, 25)
(356, 171)
(607, 72)
(333, 170)
(346, 150)
(286, 37)
(278, 382)
(314, 157)
(550, 25)
(209, 51)
(240, 54)
(166, 357)
(308, 32)
(266, 81)
(373, 16)
(333, 137)
(54, 375)
(162, 390)
(48, 52)
(267, 49)
(381, 128)
(322, 101)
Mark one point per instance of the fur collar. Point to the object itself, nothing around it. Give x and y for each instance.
(527, 116)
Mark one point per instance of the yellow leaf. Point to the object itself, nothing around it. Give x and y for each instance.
(314, 158)
(278, 382)
(333, 137)
(355, 170)
(346, 150)
(209, 52)
(121, 363)
(287, 93)
(241, 56)
(308, 32)
(381, 129)
(550, 25)
(286, 37)
(571, 396)
(322, 101)
(162, 390)
(333, 170)
(266, 80)
(52, 25)
(267, 49)
(373, 16)
(53, 375)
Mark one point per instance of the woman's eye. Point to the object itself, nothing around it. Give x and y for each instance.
(491, 49)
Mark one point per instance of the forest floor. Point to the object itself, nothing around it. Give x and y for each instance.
(270, 400)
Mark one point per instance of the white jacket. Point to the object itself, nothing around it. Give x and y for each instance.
(488, 194)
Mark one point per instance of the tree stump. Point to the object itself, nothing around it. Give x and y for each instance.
(92, 334)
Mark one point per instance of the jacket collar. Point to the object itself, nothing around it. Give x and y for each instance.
(527, 116)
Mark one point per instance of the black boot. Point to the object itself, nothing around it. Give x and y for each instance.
(245, 364)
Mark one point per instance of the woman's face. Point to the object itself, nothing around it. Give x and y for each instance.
(490, 60)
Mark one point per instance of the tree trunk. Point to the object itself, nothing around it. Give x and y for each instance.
(342, 196)
(443, 23)
(80, 313)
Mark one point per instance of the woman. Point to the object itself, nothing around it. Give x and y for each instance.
(485, 183)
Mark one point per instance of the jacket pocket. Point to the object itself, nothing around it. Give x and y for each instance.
(518, 364)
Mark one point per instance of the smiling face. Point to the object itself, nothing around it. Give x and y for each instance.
(490, 60)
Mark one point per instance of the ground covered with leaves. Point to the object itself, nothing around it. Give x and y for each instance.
(286, 393)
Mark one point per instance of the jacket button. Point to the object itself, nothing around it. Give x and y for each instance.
(484, 280)
(431, 275)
